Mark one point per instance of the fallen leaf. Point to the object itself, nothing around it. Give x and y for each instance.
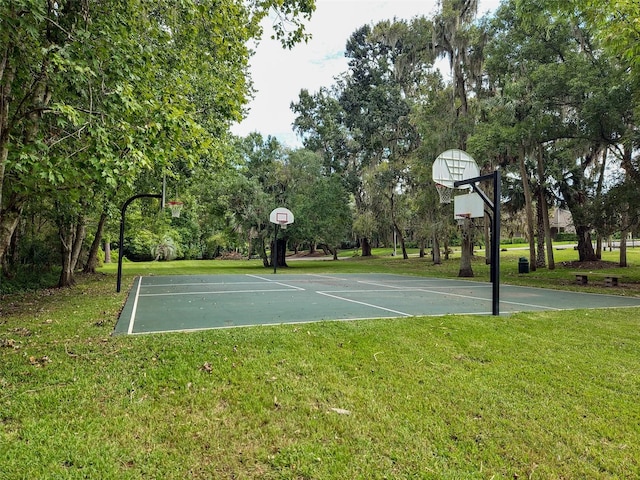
(8, 343)
(39, 362)
(206, 367)
(341, 411)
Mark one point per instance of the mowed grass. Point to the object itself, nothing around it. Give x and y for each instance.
(531, 395)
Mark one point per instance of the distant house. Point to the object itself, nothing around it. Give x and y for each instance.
(560, 221)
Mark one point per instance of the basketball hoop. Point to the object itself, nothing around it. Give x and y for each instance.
(281, 216)
(461, 217)
(175, 207)
(444, 192)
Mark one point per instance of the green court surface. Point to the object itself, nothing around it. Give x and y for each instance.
(186, 303)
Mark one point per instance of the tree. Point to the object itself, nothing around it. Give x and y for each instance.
(362, 125)
(553, 110)
(105, 90)
(452, 39)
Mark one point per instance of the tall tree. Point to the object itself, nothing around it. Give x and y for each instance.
(120, 86)
(452, 40)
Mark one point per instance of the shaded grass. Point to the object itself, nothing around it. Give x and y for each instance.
(532, 395)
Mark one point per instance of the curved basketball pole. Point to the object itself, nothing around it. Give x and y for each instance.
(122, 216)
(495, 228)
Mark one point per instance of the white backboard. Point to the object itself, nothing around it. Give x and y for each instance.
(454, 165)
(281, 216)
(470, 205)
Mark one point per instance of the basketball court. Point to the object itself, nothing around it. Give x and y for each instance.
(189, 303)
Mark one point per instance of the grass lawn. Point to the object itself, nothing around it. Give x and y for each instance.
(535, 395)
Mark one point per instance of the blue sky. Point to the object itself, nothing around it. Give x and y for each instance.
(279, 74)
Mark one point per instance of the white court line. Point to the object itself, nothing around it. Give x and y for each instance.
(169, 294)
(276, 282)
(506, 302)
(326, 276)
(366, 304)
(153, 285)
(135, 307)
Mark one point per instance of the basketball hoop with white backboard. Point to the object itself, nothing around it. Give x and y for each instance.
(281, 216)
(455, 169)
(449, 167)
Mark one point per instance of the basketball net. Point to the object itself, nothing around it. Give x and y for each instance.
(444, 192)
(462, 217)
(175, 207)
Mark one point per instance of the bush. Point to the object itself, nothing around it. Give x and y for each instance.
(165, 249)
(145, 246)
(566, 237)
(139, 247)
(28, 279)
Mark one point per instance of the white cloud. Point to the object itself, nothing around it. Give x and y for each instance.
(279, 74)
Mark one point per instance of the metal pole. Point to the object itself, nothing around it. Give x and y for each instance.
(274, 252)
(495, 244)
(495, 229)
(123, 212)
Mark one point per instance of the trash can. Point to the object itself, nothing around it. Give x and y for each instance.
(523, 265)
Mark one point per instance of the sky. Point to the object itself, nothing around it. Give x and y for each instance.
(279, 74)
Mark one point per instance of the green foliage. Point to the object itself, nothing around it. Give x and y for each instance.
(566, 237)
(141, 245)
(96, 97)
(28, 279)
(164, 248)
(146, 245)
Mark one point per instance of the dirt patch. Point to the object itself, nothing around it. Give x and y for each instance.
(590, 265)
(318, 253)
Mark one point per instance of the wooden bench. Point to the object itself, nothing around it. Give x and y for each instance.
(610, 279)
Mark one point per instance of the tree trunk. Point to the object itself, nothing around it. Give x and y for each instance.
(623, 239)
(585, 247)
(421, 252)
(366, 247)
(545, 211)
(71, 239)
(623, 249)
(9, 218)
(437, 259)
(467, 250)
(528, 207)
(92, 260)
(263, 253)
(402, 244)
(107, 251)
(7, 75)
(540, 259)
